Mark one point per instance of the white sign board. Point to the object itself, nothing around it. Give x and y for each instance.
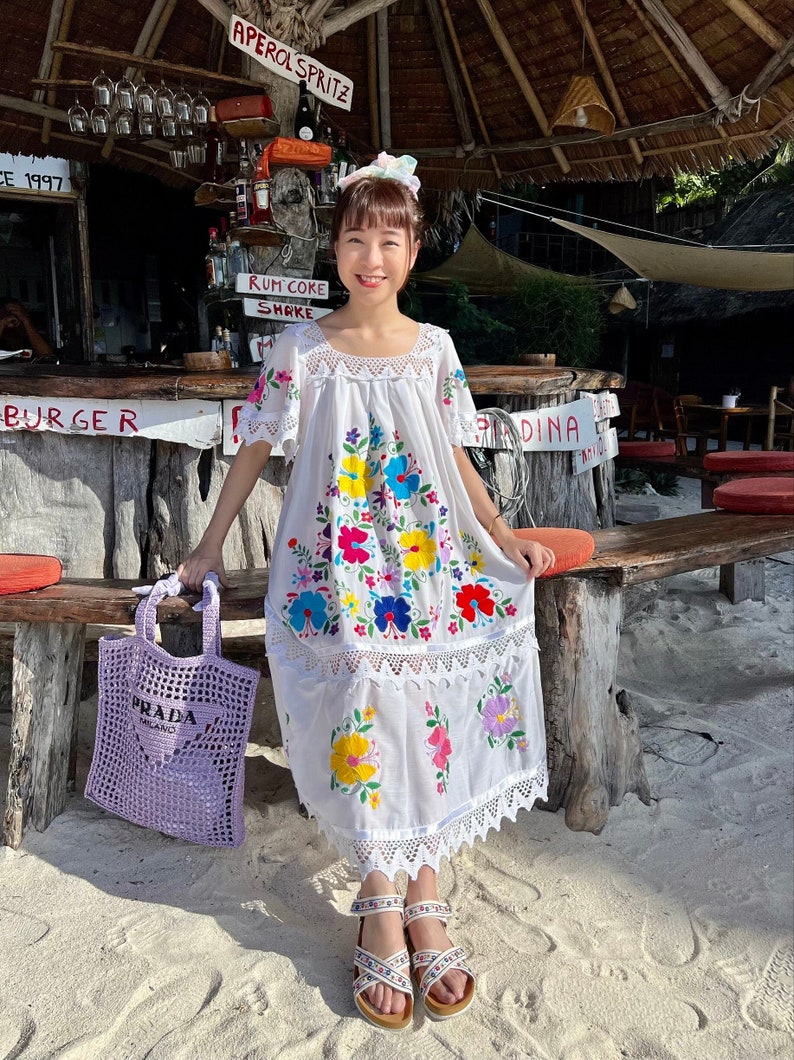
(288, 311)
(194, 423)
(605, 405)
(604, 448)
(561, 428)
(323, 83)
(281, 286)
(28, 173)
(259, 345)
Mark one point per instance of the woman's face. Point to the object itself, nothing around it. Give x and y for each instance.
(373, 263)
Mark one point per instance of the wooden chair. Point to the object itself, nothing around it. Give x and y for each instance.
(780, 425)
(685, 429)
(664, 413)
(637, 414)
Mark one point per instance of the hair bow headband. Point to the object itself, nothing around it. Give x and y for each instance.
(387, 166)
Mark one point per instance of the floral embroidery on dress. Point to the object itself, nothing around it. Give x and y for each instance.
(355, 759)
(500, 715)
(272, 379)
(451, 383)
(438, 744)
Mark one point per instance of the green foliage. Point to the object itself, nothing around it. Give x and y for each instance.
(554, 315)
(478, 333)
(730, 183)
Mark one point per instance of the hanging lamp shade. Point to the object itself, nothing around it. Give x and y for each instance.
(583, 107)
(621, 299)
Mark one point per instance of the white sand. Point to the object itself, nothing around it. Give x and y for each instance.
(667, 937)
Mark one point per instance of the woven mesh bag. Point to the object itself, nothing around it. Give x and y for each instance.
(171, 733)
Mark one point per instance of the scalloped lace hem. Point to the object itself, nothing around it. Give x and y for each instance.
(417, 665)
(412, 853)
(463, 430)
(278, 428)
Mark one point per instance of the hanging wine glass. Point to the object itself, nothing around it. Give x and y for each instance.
(197, 151)
(183, 105)
(125, 93)
(123, 121)
(178, 157)
(78, 118)
(185, 130)
(144, 98)
(201, 110)
(100, 120)
(168, 127)
(147, 124)
(164, 101)
(103, 89)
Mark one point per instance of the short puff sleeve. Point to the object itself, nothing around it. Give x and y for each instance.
(458, 411)
(271, 412)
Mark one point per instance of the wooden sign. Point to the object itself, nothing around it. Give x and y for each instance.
(31, 174)
(288, 311)
(604, 448)
(568, 427)
(281, 286)
(323, 83)
(194, 423)
(259, 345)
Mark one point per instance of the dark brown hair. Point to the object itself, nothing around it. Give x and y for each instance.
(377, 201)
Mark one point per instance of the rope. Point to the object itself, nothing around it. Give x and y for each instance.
(510, 503)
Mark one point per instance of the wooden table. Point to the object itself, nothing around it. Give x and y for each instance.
(750, 412)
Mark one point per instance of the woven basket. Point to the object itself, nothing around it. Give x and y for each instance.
(583, 92)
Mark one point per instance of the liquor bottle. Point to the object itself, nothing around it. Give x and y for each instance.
(215, 262)
(236, 260)
(305, 125)
(242, 186)
(226, 345)
(344, 163)
(262, 213)
(217, 339)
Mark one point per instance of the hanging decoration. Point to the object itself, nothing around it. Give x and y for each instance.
(583, 107)
(621, 300)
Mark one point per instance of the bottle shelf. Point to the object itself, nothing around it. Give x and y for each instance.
(256, 127)
(258, 236)
(218, 196)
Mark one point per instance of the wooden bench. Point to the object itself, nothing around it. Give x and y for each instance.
(595, 751)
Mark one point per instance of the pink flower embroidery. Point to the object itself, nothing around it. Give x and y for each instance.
(439, 738)
(350, 540)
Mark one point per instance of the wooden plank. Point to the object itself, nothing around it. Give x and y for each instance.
(113, 603)
(743, 581)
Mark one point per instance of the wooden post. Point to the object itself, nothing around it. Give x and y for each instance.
(45, 693)
(594, 749)
(743, 581)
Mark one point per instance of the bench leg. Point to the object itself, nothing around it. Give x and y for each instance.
(45, 693)
(743, 581)
(594, 749)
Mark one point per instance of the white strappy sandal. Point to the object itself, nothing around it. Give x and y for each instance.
(393, 971)
(434, 964)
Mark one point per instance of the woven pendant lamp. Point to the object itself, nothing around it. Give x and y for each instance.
(583, 107)
(621, 299)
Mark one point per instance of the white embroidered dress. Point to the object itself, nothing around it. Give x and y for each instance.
(401, 640)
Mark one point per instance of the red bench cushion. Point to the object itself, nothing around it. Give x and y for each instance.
(757, 496)
(747, 461)
(18, 573)
(646, 450)
(570, 547)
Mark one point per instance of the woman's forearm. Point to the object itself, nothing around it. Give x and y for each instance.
(484, 508)
(246, 468)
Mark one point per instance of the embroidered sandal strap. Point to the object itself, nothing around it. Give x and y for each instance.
(392, 971)
(437, 964)
(378, 903)
(440, 910)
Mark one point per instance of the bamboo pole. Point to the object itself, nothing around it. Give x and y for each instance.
(372, 80)
(757, 24)
(455, 91)
(55, 69)
(45, 63)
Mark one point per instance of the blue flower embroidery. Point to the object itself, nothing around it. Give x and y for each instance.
(392, 611)
(399, 482)
(306, 611)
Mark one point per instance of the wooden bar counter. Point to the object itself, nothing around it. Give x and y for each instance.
(133, 507)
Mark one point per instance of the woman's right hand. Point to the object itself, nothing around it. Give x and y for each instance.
(199, 563)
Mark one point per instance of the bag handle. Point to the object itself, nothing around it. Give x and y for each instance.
(210, 606)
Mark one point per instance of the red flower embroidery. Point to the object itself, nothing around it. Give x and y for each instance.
(474, 598)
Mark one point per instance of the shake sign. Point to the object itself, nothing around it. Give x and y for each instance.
(327, 85)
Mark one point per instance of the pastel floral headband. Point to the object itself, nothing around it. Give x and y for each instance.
(387, 166)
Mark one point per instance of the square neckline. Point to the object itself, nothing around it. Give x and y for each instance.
(378, 357)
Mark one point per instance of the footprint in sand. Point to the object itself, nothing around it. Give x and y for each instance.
(161, 934)
(668, 936)
(770, 1003)
(16, 1032)
(252, 996)
(20, 929)
(161, 1007)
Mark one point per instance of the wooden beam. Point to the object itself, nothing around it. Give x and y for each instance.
(464, 70)
(757, 24)
(45, 63)
(606, 75)
(218, 10)
(720, 94)
(190, 73)
(317, 11)
(353, 14)
(455, 91)
(510, 57)
(372, 80)
(771, 70)
(55, 69)
(384, 98)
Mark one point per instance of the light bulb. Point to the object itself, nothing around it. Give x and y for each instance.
(580, 118)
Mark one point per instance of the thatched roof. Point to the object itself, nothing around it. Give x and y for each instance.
(764, 220)
(472, 85)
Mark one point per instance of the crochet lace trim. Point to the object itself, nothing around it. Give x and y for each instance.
(410, 853)
(323, 359)
(273, 427)
(348, 664)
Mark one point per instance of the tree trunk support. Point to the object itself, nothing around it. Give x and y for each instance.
(594, 749)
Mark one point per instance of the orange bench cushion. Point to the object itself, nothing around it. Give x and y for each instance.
(747, 461)
(756, 496)
(570, 547)
(646, 450)
(19, 573)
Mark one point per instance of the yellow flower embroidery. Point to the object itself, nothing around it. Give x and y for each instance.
(419, 549)
(368, 713)
(348, 759)
(475, 560)
(374, 800)
(354, 479)
(349, 601)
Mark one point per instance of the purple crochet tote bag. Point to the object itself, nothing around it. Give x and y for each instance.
(171, 733)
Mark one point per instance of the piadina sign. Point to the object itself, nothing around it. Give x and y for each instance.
(279, 58)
